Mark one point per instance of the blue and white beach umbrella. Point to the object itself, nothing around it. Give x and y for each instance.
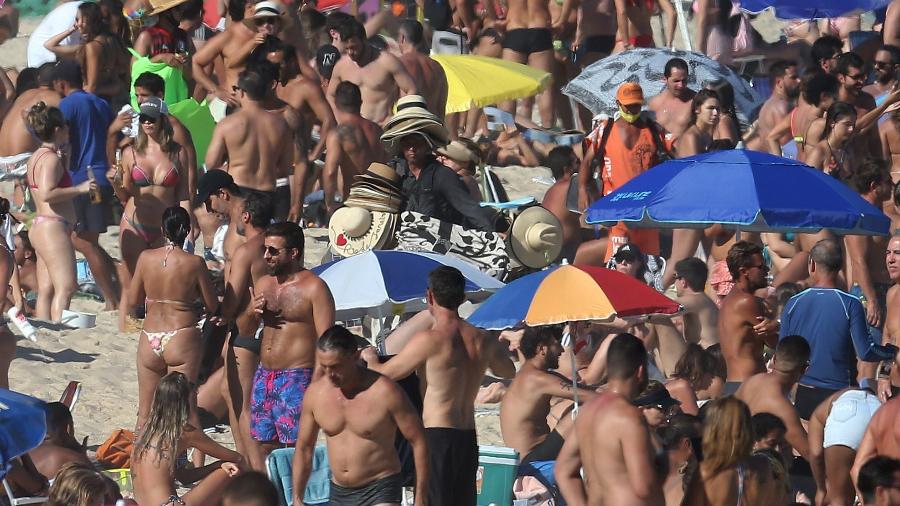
(382, 283)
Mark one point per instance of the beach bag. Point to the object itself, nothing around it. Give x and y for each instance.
(176, 88)
(485, 250)
(115, 452)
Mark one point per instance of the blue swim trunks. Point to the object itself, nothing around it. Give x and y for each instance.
(276, 402)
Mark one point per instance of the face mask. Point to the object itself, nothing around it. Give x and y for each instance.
(627, 116)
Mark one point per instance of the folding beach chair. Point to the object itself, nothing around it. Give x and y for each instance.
(278, 468)
(15, 501)
(70, 395)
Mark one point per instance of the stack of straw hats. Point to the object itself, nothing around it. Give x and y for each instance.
(413, 117)
(370, 214)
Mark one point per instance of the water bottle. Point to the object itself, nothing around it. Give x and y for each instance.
(22, 324)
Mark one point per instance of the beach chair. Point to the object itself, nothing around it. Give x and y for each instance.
(15, 501)
(278, 468)
(70, 395)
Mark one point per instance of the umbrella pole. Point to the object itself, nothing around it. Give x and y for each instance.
(682, 23)
(569, 342)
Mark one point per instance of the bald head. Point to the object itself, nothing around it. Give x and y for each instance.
(827, 254)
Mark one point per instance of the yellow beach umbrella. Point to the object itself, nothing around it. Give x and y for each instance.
(477, 81)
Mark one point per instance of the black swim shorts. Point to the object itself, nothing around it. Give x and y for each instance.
(529, 40)
(453, 462)
(385, 490)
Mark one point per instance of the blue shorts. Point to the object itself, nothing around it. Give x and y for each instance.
(881, 290)
(276, 402)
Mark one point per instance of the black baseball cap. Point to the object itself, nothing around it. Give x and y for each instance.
(68, 71)
(154, 107)
(326, 58)
(211, 182)
(628, 253)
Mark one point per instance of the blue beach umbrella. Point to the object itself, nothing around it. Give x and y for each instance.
(382, 283)
(746, 190)
(812, 9)
(22, 426)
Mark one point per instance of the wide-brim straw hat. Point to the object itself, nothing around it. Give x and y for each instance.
(458, 152)
(354, 230)
(536, 237)
(431, 129)
(377, 189)
(160, 6)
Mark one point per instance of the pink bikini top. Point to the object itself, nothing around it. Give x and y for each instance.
(141, 179)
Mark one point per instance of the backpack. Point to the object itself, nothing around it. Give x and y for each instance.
(115, 452)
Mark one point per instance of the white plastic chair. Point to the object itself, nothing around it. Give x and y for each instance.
(15, 501)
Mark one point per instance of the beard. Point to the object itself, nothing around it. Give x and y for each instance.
(276, 269)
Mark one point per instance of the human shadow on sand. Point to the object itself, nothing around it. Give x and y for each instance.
(64, 356)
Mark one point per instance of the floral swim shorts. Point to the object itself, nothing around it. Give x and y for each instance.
(276, 402)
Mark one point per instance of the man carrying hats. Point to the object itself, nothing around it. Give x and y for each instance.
(626, 146)
(429, 187)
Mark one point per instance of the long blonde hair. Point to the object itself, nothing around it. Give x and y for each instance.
(166, 137)
(727, 434)
(76, 484)
(168, 417)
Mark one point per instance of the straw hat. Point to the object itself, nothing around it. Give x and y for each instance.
(536, 237)
(160, 6)
(377, 189)
(353, 230)
(414, 120)
(458, 152)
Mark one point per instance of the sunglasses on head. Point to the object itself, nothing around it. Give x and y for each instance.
(145, 118)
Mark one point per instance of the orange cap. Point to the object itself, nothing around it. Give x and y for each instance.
(630, 94)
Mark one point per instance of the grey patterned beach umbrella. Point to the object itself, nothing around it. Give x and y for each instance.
(596, 86)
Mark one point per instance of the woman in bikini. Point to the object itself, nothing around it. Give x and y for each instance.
(102, 55)
(727, 475)
(831, 154)
(152, 181)
(53, 192)
(705, 113)
(168, 280)
(167, 434)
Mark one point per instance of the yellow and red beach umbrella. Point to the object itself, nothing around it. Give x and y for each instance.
(570, 293)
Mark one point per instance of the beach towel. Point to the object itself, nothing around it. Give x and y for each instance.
(486, 250)
(13, 166)
(279, 465)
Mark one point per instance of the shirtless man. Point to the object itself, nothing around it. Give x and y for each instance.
(769, 392)
(701, 315)
(865, 269)
(785, 91)
(380, 75)
(526, 404)
(304, 95)
(16, 142)
(851, 72)
(296, 307)
(891, 29)
(885, 65)
(673, 105)
(890, 387)
(611, 443)
(882, 436)
(59, 446)
(218, 193)
(228, 45)
(288, 205)
(455, 356)
(360, 412)
(352, 146)
(529, 41)
(563, 163)
(427, 74)
(252, 142)
(634, 28)
(244, 270)
(744, 321)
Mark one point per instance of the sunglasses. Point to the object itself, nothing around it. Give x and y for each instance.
(265, 21)
(272, 251)
(883, 64)
(146, 119)
(856, 77)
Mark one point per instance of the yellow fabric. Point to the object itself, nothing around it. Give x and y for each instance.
(553, 302)
(478, 81)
